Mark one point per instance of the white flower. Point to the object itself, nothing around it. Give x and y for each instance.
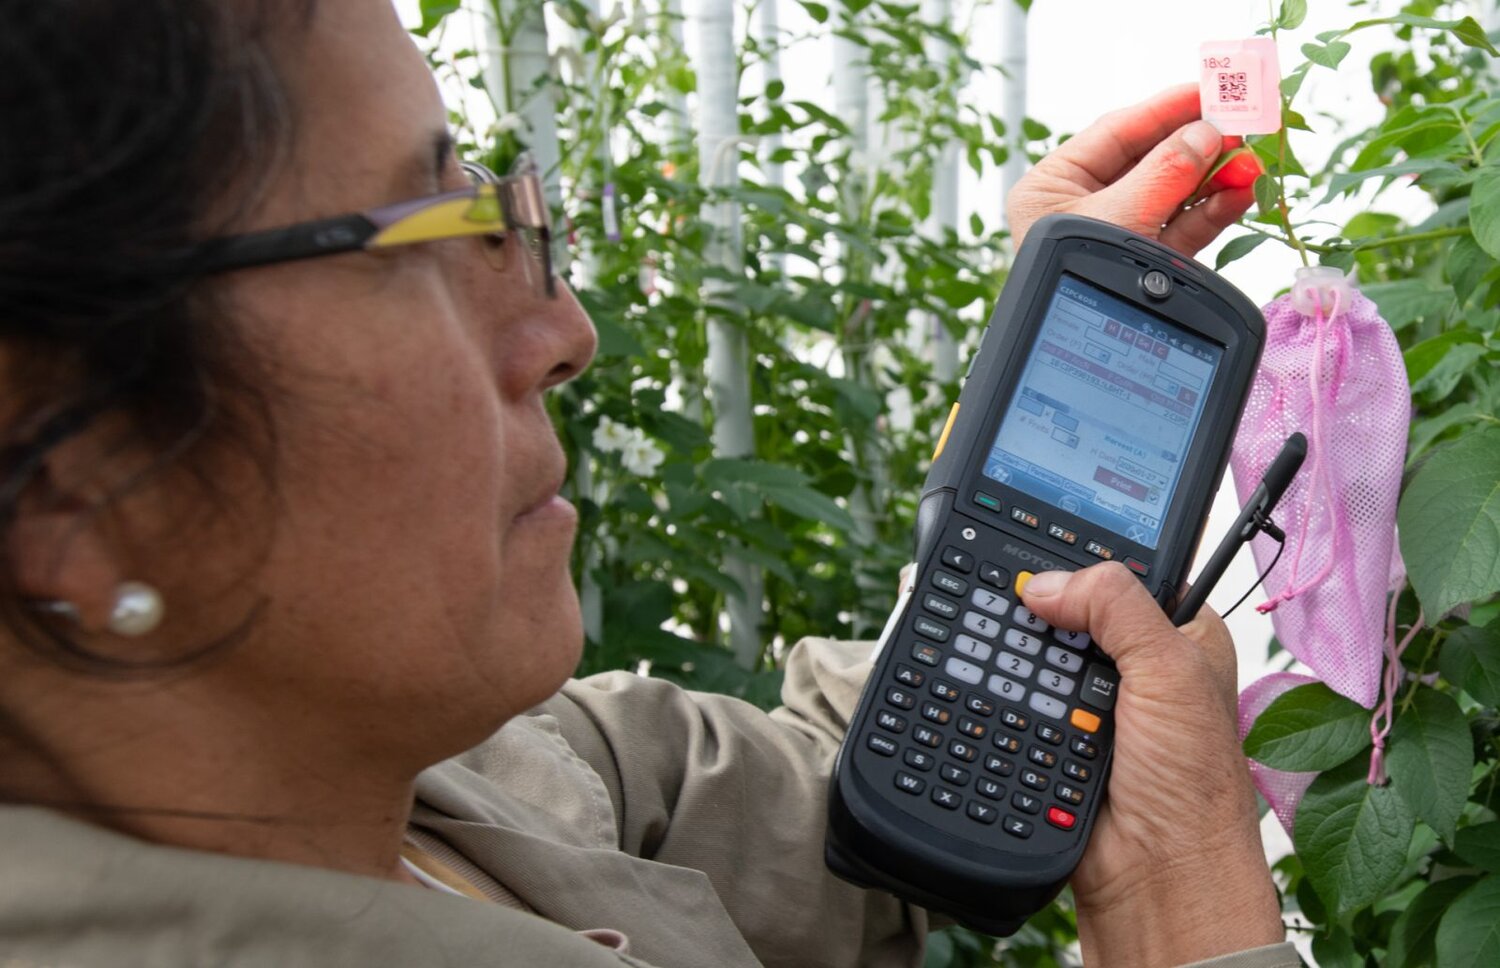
(641, 457)
(610, 437)
(506, 123)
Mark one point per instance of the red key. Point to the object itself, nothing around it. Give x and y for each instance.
(1058, 817)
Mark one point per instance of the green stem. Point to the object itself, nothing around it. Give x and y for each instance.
(1463, 123)
(1413, 238)
(1285, 104)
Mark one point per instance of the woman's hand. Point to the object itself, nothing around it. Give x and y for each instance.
(1175, 871)
(1136, 168)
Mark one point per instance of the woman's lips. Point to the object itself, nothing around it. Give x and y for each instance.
(554, 506)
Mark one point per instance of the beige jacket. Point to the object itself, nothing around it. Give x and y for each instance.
(691, 823)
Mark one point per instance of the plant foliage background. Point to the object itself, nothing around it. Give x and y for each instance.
(843, 279)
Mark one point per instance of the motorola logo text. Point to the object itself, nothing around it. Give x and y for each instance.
(1031, 558)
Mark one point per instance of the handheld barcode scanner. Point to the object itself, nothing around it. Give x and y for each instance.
(1094, 424)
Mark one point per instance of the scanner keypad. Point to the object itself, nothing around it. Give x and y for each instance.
(987, 699)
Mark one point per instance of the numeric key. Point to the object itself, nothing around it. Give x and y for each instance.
(988, 601)
(1028, 619)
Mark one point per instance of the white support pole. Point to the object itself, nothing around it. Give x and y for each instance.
(852, 104)
(728, 349)
(679, 130)
(587, 273)
(944, 202)
(768, 33)
(518, 76)
(1013, 104)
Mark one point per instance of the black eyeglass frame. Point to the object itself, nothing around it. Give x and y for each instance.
(504, 207)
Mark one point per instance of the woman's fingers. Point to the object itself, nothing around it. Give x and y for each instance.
(1191, 230)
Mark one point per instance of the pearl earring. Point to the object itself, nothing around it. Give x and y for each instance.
(137, 610)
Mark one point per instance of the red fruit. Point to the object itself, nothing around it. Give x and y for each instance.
(1240, 169)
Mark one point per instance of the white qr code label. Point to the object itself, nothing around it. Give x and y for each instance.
(1239, 86)
(1232, 87)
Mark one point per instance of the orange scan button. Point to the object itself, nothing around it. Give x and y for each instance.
(1085, 721)
(1021, 581)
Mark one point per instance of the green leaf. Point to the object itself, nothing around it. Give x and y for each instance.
(815, 10)
(1336, 950)
(1449, 521)
(1292, 83)
(1293, 12)
(1267, 193)
(1346, 180)
(1429, 757)
(1405, 301)
(1484, 209)
(1480, 845)
(1415, 931)
(1309, 727)
(808, 503)
(1351, 836)
(1467, 264)
(1471, 33)
(1470, 660)
(1466, 30)
(615, 340)
(1326, 55)
(1435, 366)
(1035, 130)
(433, 12)
(1238, 249)
(730, 471)
(1469, 933)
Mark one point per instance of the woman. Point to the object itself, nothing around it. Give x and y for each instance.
(284, 541)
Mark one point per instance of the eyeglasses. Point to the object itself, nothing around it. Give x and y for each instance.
(509, 209)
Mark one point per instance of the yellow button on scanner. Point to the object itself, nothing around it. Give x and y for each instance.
(947, 429)
(1021, 581)
(1085, 721)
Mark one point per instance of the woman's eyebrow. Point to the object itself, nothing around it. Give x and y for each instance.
(442, 150)
(422, 173)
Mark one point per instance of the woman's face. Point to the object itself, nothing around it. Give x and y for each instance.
(418, 579)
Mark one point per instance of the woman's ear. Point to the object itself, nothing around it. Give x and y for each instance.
(59, 552)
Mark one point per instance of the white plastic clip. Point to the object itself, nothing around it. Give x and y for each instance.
(1322, 287)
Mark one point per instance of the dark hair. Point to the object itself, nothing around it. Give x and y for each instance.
(124, 126)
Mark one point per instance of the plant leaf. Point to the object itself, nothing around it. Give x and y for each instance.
(1351, 836)
(1484, 209)
(1467, 264)
(1346, 180)
(1480, 845)
(1238, 249)
(1309, 727)
(1430, 757)
(1293, 12)
(1415, 931)
(1469, 933)
(1327, 55)
(1405, 301)
(805, 502)
(1436, 365)
(1450, 524)
(1267, 193)
(1470, 660)
(433, 12)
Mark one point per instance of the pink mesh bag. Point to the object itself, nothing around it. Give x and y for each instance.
(1331, 369)
(1283, 791)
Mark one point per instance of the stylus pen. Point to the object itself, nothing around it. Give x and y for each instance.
(1273, 484)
